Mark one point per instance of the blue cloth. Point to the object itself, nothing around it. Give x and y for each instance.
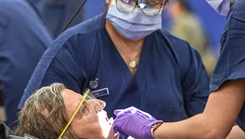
(231, 62)
(171, 82)
(57, 13)
(23, 39)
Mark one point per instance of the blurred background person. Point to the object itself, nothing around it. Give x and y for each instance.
(23, 39)
(57, 13)
(211, 21)
(186, 25)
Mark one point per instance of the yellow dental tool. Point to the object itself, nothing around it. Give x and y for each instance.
(75, 113)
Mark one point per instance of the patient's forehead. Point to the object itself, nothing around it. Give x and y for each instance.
(71, 98)
(67, 94)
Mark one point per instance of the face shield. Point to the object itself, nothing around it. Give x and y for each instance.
(91, 107)
(86, 94)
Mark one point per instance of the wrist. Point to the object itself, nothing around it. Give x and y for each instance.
(154, 127)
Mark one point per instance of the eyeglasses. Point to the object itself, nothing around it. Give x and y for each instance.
(85, 96)
(148, 7)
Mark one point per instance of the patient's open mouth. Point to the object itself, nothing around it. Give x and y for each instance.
(111, 121)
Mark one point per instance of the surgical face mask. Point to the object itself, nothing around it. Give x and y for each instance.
(221, 6)
(134, 25)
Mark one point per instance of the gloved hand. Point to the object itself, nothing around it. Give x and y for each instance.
(134, 122)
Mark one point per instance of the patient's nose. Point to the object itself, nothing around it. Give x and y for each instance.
(98, 105)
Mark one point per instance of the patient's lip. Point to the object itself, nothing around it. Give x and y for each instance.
(111, 120)
(103, 114)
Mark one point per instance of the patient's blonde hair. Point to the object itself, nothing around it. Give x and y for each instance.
(44, 115)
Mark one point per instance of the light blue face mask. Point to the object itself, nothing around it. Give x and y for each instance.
(134, 25)
(221, 6)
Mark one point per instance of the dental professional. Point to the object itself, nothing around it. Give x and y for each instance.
(125, 58)
(225, 105)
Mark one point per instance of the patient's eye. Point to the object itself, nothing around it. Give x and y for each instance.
(83, 109)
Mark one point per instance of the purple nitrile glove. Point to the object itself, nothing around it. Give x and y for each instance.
(126, 1)
(134, 122)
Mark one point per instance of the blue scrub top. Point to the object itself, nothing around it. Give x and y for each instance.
(23, 39)
(231, 63)
(171, 82)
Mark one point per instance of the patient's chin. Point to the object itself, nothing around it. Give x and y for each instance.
(112, 135)
(105, 124)
(108, 132)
